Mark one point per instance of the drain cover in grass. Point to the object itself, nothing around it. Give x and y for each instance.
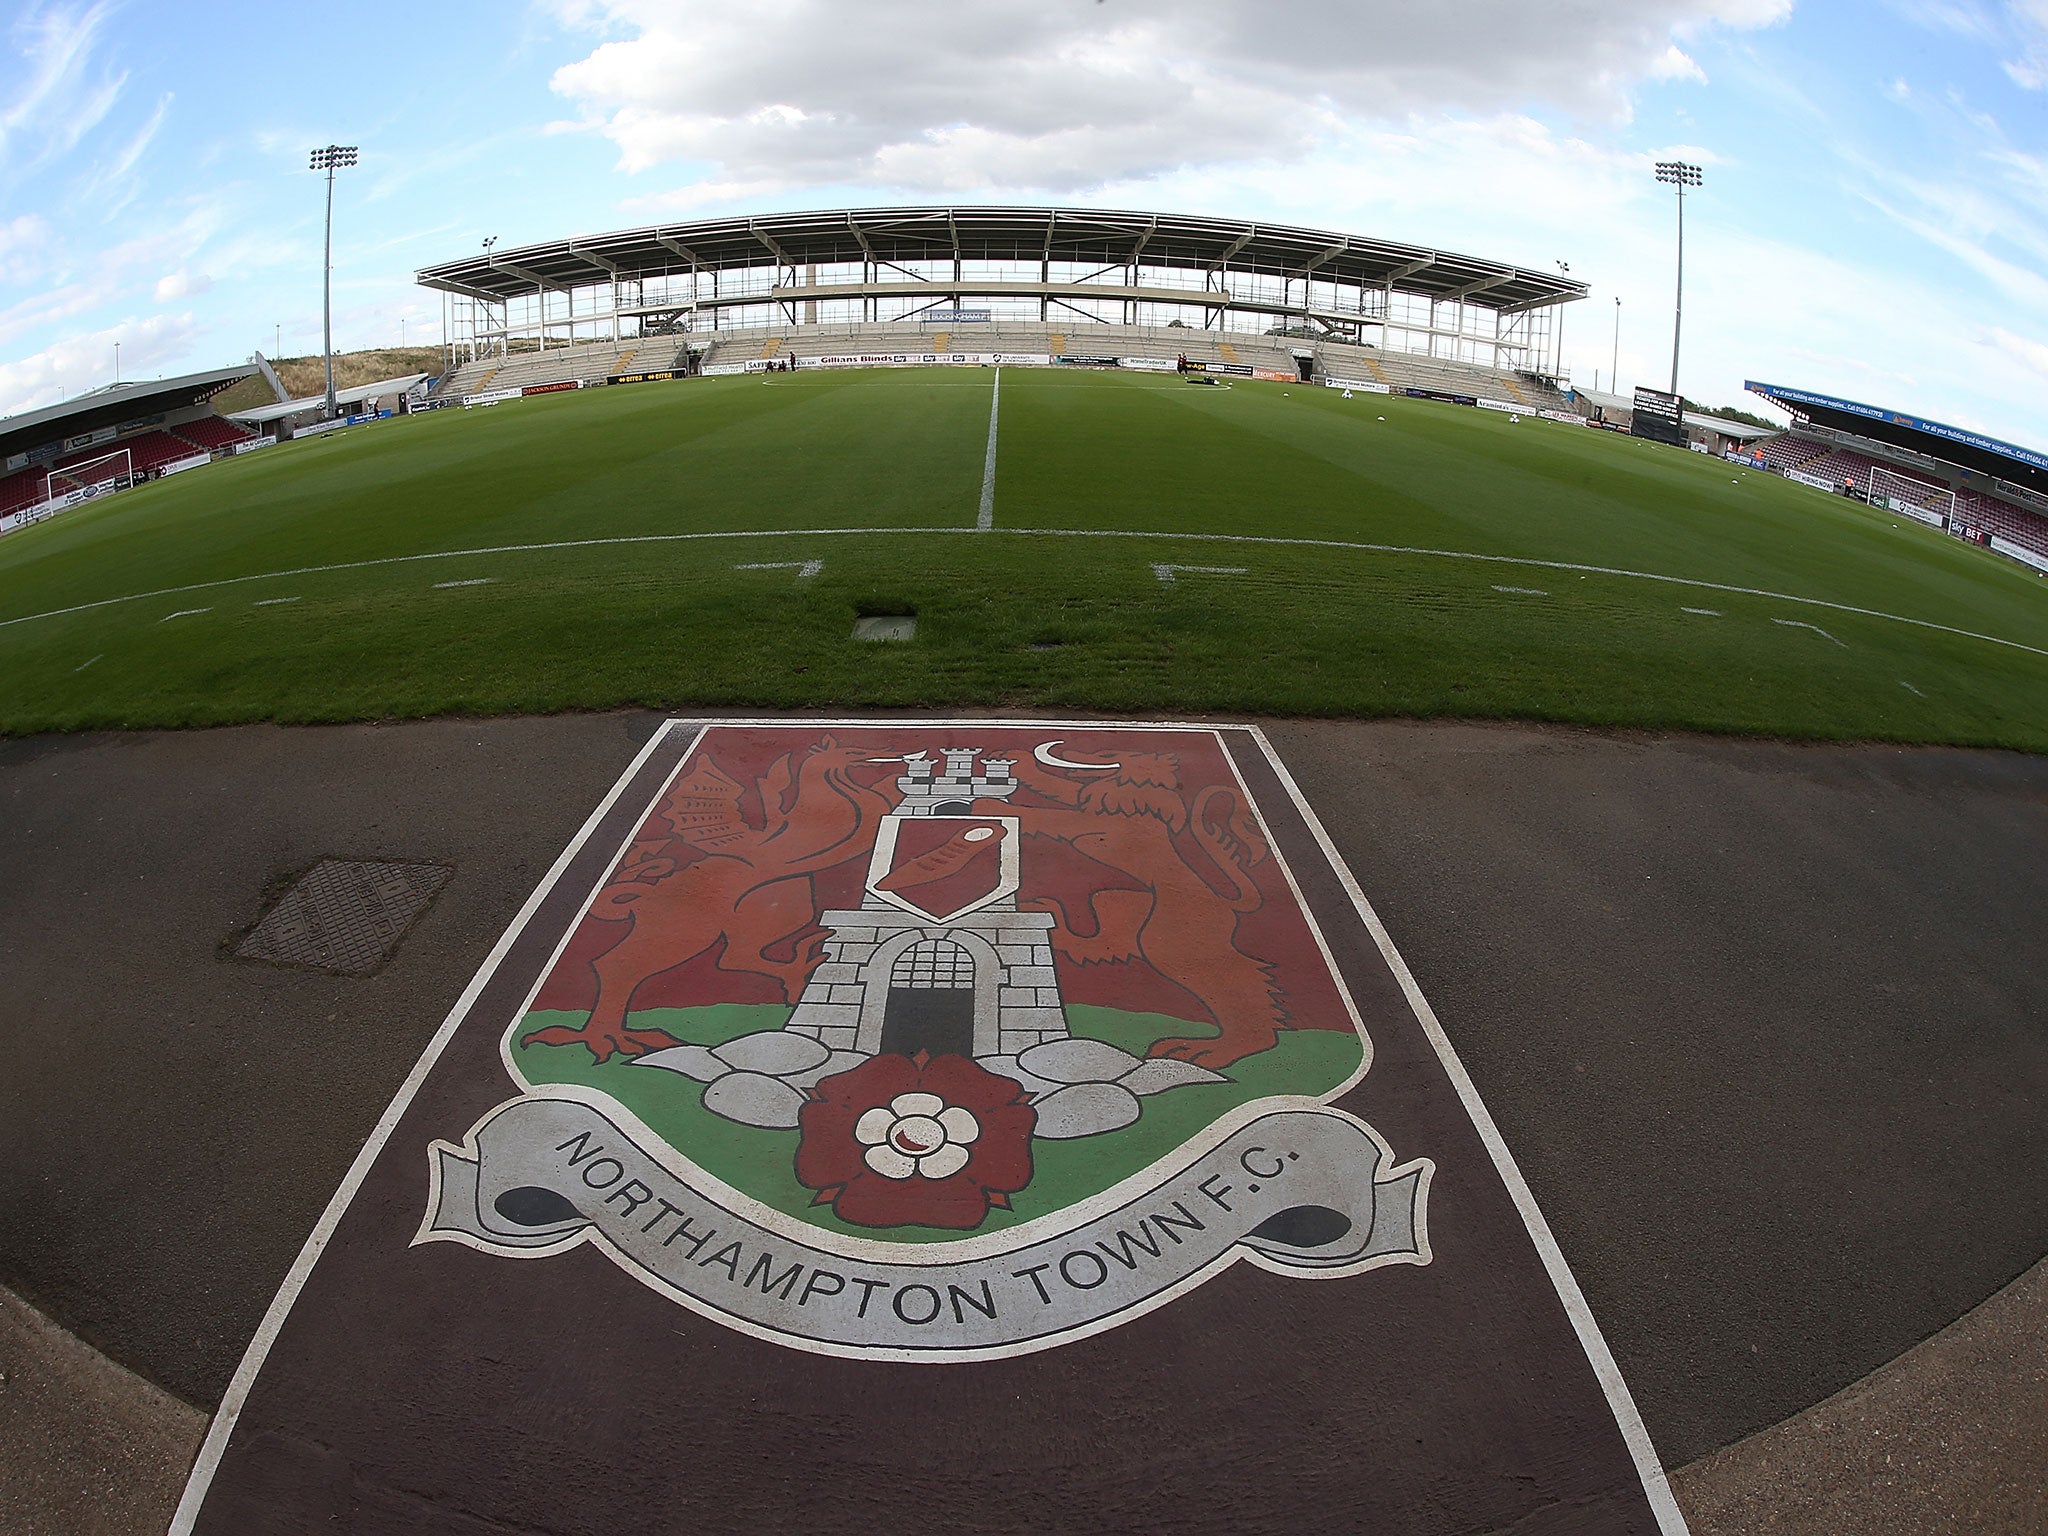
(885, 626)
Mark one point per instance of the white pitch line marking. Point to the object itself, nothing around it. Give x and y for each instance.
(182, 613)
(985, 519)
(474, 581)
(805, 569)
(1355, 545)
(272, 602)
(1165, 572)
(1670, 1521)
(1911, 689)
(1802, 624)
(1521, 591)
(230, 1409)
(102, 656)
(1705, 613)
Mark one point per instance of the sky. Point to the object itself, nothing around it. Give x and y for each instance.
(1873, 221)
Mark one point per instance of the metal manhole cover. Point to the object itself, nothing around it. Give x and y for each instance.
(344, 915)
(886, 626)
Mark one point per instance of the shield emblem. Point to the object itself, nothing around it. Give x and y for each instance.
(818, 1020)
(944, 867)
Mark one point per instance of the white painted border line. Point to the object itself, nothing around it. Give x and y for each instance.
(1670, 1520)
(281, 1305)
(1802, 624)
(1040, 533)
(985, 519)
(805, 569)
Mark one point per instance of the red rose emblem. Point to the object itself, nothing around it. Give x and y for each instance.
(914, 1141)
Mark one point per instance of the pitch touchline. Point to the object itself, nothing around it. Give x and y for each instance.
(986, 518)
(1033, 533)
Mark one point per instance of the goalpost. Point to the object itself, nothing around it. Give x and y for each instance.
(1935, 504)
(93, 475)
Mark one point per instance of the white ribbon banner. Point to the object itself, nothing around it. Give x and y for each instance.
(1303, 1191)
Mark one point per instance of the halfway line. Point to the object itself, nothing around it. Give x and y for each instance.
(986, 518)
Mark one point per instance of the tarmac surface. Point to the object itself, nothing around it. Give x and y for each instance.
(1763, 1023)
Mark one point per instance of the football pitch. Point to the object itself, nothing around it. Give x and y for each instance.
(1064, 539)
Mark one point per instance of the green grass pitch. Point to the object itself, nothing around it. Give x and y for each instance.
(532, 556)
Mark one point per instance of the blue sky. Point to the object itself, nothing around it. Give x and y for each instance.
(1874, 221)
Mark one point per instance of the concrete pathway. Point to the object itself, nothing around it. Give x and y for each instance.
(86, 1448)
(1952, 1435)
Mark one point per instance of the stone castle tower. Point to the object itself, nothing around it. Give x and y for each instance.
(978, 983)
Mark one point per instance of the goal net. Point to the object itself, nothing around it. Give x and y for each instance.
(1934, 504)
(110, 471)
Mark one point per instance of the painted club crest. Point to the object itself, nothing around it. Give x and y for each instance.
(939, 1043)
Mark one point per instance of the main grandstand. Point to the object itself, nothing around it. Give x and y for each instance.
(1989, 492)
(1022, 284)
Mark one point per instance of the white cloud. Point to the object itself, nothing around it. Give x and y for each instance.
(2028, 65)
(2018, 30)
(59, 104)
(1674, 63)
(24, 247)
(181, 284)
(2031, 353)
(78, 363)
(1063, 95)
(125, 158)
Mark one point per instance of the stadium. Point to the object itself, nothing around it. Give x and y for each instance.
(1627, 713)
(1385, 434)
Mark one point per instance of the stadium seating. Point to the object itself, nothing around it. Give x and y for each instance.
(1161, 343)
(1977, 509)
(2025, 528)
(1413, 370)
(147, 452)
(587, 362)
(1844, 464)
(23, 488)
(1788, 452)
(592, 361)
(212, 433)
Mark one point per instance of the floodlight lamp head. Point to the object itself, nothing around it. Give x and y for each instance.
(334, 157)
(1677, 173)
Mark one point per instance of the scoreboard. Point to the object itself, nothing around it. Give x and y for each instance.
(1657, 417)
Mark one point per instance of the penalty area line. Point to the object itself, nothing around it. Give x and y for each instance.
(1359, 546)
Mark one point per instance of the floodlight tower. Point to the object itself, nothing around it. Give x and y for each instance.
(1676, 173)
(1615, 369)
(1564, 269)
(334, 157)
